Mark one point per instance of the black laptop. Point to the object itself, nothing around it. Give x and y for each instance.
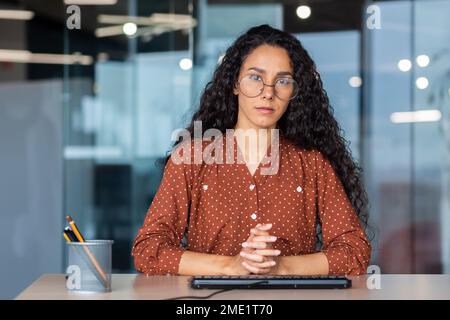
(270, 282)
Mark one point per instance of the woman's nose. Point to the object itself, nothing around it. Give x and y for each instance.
(268, 92)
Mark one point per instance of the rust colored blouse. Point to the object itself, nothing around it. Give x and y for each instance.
(220, 203)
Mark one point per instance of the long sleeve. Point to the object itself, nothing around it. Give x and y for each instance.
(344, 241)
(156, 249)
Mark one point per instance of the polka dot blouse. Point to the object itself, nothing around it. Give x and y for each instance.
(211, 207)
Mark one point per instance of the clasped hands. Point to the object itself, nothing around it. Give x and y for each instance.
(257, 255)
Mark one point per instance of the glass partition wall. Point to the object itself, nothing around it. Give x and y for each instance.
(120, 111)
(407, 106)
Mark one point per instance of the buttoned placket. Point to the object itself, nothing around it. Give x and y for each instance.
(252, 191)
(252, 185)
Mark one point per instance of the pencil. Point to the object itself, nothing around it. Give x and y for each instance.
(66, 237)
(75, 229)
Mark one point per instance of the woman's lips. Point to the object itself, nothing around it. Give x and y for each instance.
(265, 110)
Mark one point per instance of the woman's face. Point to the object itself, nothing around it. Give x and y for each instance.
(257, 109)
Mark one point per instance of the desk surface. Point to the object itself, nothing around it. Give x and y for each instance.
(132, 286)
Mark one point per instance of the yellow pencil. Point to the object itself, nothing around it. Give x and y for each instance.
(74, 228)
(66, 237)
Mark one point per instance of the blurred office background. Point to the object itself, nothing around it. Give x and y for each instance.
(86, 114)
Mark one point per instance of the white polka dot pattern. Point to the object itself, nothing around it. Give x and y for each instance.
(224, 207)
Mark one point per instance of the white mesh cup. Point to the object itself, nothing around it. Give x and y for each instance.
(89, 266)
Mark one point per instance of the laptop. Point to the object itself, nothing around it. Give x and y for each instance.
(270, 282)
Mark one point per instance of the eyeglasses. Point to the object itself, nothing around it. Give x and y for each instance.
(284, 88)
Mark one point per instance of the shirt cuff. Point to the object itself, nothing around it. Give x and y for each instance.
(163, 260)
(342, 262)
(337, 261)
(169, 260)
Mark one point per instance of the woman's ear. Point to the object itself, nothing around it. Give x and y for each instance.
(235, 89)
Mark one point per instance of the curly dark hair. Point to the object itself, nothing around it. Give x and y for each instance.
(308, 120)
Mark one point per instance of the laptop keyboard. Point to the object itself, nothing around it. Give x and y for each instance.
(264, 277)
(270, 282)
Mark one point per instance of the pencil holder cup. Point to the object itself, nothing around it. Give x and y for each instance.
(89, 266)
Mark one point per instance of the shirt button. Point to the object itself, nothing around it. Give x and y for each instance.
(205, 187)
(253, 216)
(299, 189)
(252, 186)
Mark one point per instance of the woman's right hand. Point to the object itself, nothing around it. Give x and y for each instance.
(260, 238)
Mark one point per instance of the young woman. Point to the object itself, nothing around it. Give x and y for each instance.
(308, 217)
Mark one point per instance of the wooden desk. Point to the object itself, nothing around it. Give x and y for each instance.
(132, 286)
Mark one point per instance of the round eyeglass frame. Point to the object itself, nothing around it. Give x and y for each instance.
(296, 90)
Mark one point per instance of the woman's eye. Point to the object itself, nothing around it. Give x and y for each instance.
(284, 81)
(254, 77)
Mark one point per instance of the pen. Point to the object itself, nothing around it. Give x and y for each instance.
(70, 234)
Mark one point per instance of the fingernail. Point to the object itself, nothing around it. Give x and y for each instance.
(277, 252)
(253, 231)
(242, 254)
(272, 263)
(245, 244)
(273, 238)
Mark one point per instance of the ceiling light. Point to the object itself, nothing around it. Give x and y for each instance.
(185, 64)
(303, 12)
(91, 2)
(416, 116)
(16, 14)
(423, 60)
(404, 65)
(355, 82)
(422, 83)
(24, 56)
(129, 28)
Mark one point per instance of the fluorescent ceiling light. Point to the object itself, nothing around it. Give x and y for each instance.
(24, 56)
(156, 24)
(91, 2)
(155, 18)
(92, 152)
(416, 116)
(16, 14)
(108, 31)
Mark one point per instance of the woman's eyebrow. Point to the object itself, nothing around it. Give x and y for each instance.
(281, 73)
